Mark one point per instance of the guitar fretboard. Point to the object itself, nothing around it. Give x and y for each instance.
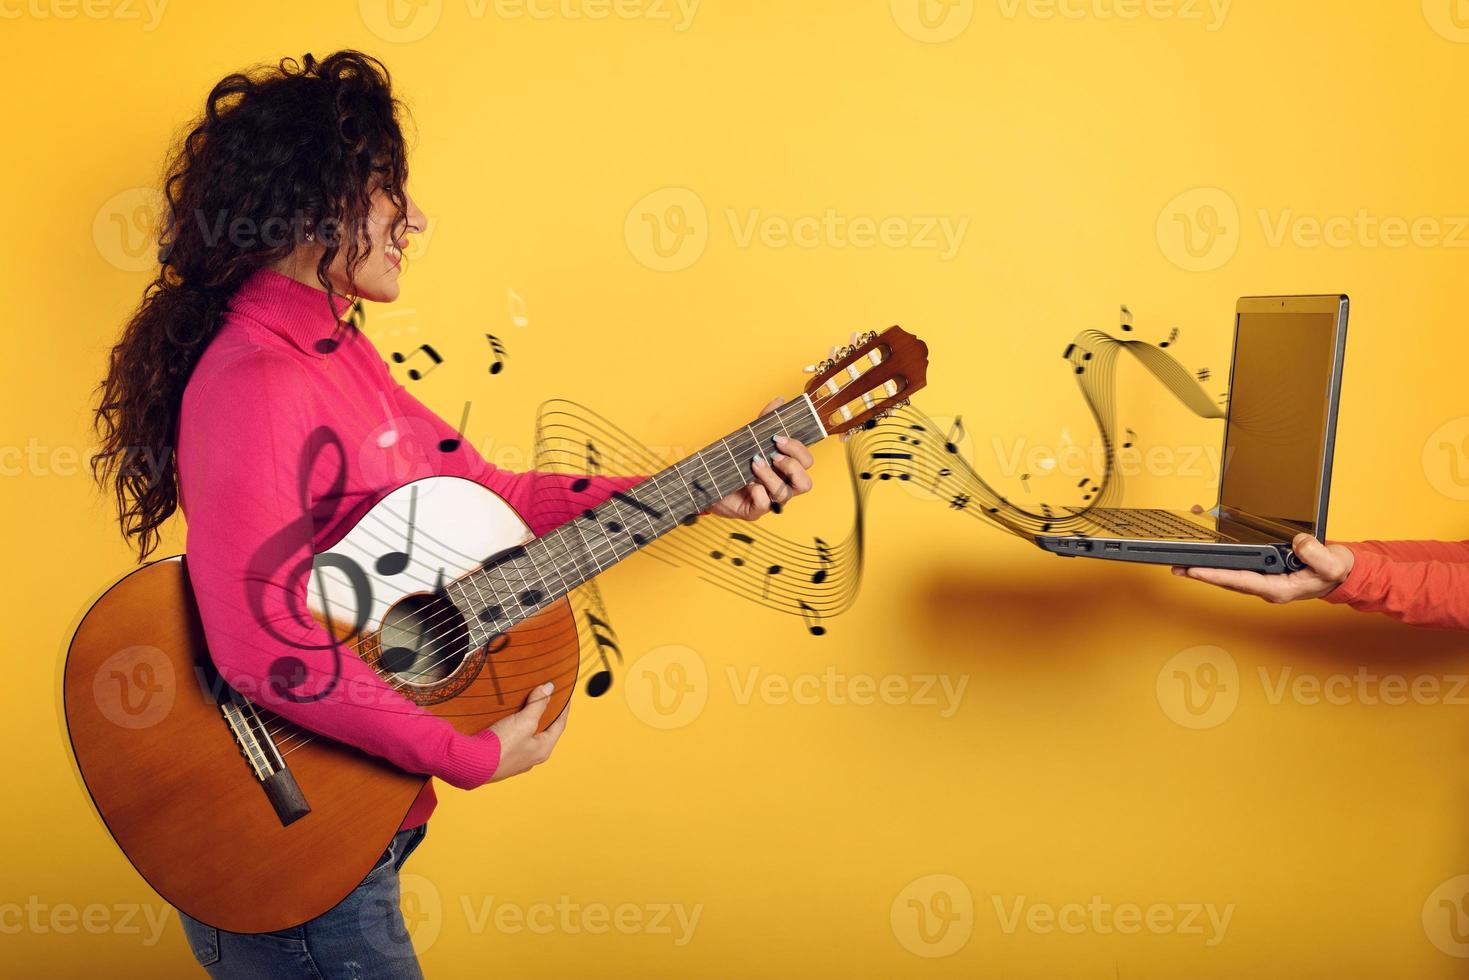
(516, 584)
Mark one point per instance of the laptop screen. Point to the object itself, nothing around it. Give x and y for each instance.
(1282, 410)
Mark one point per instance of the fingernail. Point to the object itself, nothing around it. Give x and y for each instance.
(757, 462)
(548, 687)
(777, 457)
(780, 440)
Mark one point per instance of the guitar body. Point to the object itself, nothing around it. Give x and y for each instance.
(169, 776)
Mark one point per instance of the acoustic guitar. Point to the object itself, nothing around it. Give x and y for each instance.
(252, 825)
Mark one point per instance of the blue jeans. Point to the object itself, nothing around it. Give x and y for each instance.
(361, 938)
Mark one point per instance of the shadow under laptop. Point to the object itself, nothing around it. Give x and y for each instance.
(1068, 610)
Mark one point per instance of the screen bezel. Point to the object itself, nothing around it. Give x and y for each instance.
(1337, 304)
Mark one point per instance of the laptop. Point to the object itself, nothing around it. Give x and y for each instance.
(1284, 384)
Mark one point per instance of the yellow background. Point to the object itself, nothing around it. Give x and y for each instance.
(797, 828)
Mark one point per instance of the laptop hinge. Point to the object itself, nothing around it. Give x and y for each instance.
(1265, 525)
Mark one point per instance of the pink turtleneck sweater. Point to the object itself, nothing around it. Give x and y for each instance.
(282, 371)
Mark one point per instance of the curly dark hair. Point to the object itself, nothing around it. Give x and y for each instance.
(280, 151)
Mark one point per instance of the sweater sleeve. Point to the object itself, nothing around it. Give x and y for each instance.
(1446, 551)
(245, 456)
(1433, 593)
(543, 499)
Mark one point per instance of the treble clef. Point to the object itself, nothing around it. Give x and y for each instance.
(280, 553)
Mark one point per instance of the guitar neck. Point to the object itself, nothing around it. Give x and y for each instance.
(517, 583)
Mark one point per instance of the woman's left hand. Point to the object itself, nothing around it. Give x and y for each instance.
(778, 476)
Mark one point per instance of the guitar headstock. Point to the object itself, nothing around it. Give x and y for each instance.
(870, 378)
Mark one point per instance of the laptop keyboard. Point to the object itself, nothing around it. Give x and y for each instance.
(1147, 523)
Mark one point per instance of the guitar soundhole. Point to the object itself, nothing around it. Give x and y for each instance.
(424, 639)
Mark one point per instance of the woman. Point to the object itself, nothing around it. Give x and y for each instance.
(287, 197)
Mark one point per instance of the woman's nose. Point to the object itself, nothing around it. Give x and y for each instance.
(416, 220)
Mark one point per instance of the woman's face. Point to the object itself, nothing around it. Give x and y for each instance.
(376, 278)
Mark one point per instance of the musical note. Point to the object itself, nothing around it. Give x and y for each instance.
(1172, 336)
(770, 573)
(739, 561)
(449, 445)
(498, 349)
(400, 659)
(960, 501)
(1126, 319)
(942, 472)
(736, 560)
(823, 554)
(599, 683)
(394, 562)
(1202, 374)
(1086, 355)
(594, 465)
(1025, 481)
(517, 308)
(956, 435)
(356, 314)
(1084, 481)
(389, 436)
(813, 621)
(1131, 435)
(413, 373)
(886, 456)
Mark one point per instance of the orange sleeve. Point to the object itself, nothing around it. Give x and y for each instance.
(1431, 593)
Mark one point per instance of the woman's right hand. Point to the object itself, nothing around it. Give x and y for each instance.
(522, 748)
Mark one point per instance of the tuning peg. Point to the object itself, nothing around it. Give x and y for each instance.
(825, 363)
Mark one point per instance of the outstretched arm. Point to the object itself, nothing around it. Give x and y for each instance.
(1432, 593)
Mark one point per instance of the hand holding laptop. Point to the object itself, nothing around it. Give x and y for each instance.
(1327, 566)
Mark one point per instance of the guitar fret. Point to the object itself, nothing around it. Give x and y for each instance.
(707, 472)
(657, 486)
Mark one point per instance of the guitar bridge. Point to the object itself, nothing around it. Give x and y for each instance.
(265, 760)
